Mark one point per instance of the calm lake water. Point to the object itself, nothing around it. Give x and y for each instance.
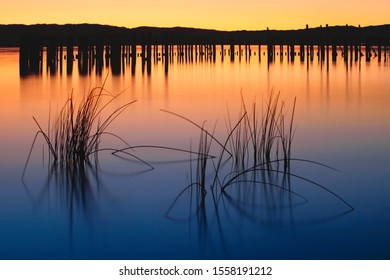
(121, 209)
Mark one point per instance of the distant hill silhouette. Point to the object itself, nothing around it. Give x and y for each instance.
(14, 35)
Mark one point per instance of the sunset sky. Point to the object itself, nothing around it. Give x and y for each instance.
(218, 14)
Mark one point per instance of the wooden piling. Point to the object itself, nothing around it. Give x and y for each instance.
(232, 53)
(368, 52)
(69, 59)
(292, 52)
(302, 52)
(115, 58)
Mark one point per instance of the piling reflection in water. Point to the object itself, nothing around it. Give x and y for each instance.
(91, 59)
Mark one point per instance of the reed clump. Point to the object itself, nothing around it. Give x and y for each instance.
(74, 137)
(262, 137)
(256, 143)
(259, 144)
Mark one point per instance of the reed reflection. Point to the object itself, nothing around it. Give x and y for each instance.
(261, 198)
(73, 190)
(73, 143)
(250, 178)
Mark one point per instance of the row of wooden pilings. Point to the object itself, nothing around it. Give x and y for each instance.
(116, 56)
(323, 52)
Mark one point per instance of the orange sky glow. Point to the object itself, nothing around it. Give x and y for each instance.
(219, 14)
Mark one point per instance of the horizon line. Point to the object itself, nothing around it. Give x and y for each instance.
(187, 27)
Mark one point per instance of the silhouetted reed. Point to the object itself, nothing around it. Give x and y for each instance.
(250, 141)
(202, 160)
(75, 136)
(258, 144)
(261, 137)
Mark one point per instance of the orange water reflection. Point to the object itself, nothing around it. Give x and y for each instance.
(333, 98)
